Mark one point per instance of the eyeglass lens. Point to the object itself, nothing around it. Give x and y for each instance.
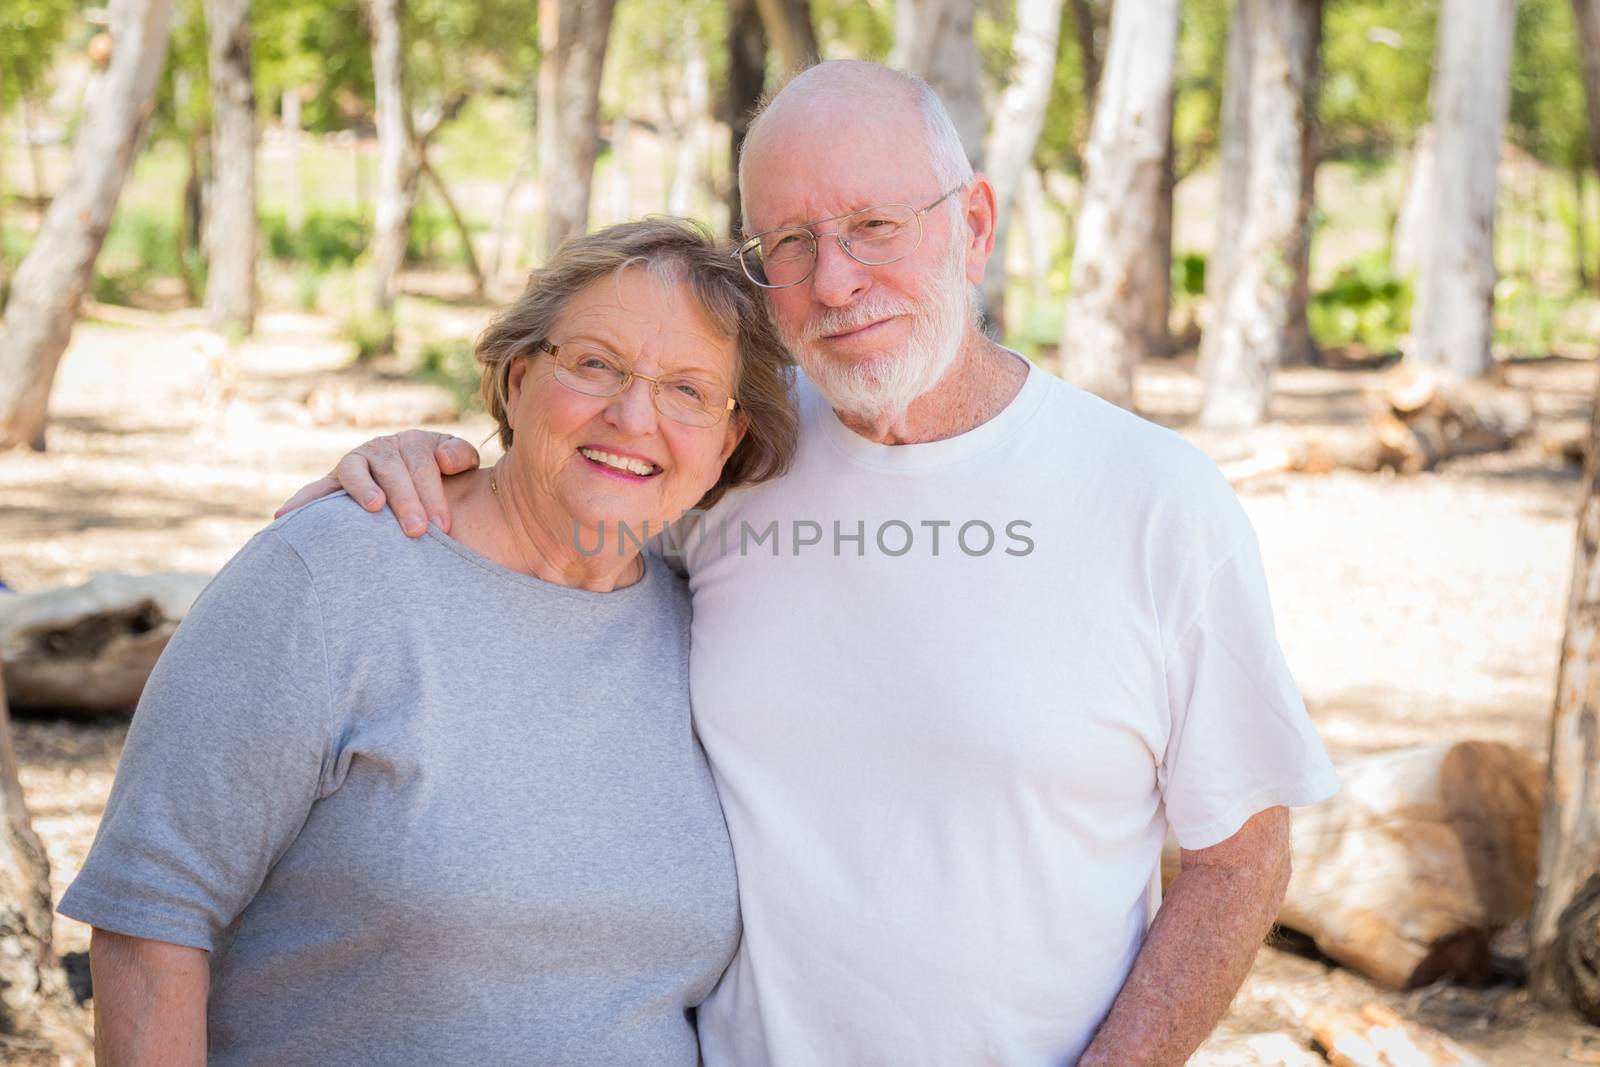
(873, 236)
(596, 372)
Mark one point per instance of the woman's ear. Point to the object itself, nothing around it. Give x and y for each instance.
(737, 425)
(515, 378)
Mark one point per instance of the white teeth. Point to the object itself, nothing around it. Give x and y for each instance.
(621, 463)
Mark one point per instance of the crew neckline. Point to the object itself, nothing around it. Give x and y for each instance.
(479, 560)
(931, 454)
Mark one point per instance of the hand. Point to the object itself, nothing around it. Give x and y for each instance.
(403, 470)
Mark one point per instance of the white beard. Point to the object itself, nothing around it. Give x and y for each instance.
(882, 388)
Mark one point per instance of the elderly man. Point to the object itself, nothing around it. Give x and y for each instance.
(961, 670)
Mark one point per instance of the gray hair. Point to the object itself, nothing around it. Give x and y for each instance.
(951, 167)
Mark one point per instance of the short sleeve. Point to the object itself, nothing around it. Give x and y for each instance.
(1240, 740)
(223, 760)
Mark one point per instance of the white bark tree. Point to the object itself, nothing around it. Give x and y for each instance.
(1118, 250)
(399, 171)
(230, 218)
(933, 40)
(1452, 325)
(1249, 333)
(1413, 219)
(50, 283)
(573, 35)
(1565, 928)
(1014, 131)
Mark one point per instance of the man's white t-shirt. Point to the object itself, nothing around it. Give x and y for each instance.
(954, 694)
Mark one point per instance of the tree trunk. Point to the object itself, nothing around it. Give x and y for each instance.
(230, 241)
(696, 103)
(1155, 289)
(1414, 216)
(788, 26)
(1580, 243)
(35, 1000)
(463, 232)
(295, 190)
(51, 282)
(572, 40)
(1015, 131)
(1299, 348)
(933, 40)
(1232, 175)
(1586, 13)
(1250, 334)
(1569, 851)
(1089, 19)
(747, 71)
(398, 172)
(1118, 231)
(1452, 328)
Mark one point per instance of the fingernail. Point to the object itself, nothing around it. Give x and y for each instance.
(456, 453)
(413, 525)
(371, 500)
(437, 521)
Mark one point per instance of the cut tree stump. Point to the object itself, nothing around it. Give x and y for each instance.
(1375, 1036)
(1407, 872)
(89, 649)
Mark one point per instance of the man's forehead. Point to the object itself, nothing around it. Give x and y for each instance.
(825, 153)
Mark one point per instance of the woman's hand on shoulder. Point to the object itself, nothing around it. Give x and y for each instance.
(404, 470)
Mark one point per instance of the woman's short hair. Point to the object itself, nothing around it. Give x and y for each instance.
(673, 250)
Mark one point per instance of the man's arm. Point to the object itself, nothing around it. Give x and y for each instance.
(403, 470)
(1196, 954)
(149, 1002)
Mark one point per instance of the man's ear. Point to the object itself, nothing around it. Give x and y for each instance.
(978, 215)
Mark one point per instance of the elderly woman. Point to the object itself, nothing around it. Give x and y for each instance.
(438, 802)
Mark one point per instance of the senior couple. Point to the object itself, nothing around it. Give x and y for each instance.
(438, 799)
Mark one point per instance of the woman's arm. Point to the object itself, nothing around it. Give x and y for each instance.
(149, 1002)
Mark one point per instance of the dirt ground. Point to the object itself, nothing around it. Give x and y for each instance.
(1412, 610)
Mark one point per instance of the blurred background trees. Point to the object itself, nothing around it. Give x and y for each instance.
(1258, 182)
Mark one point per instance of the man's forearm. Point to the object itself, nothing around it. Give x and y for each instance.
(149, 1002)
(1198, 951)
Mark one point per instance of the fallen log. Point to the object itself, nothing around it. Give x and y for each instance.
(89, 649)
(1375, 1036)
(1407, 873)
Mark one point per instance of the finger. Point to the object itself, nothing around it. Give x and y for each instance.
(315, 491)
(455, 455)
(419, 452)
(386, 467)
(353, 476)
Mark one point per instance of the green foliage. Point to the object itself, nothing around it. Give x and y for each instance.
(1066, 117)
(369, 331)
(850, 29)
(450, 363)
(31, 32)
(1189, 274)
(1377, 60)
(327, 238)
(1365, 305)
(1197, 80)
(1547, 106)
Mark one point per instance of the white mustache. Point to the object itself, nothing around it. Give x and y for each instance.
(843, 320)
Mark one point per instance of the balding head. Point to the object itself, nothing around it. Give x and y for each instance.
(854, 98)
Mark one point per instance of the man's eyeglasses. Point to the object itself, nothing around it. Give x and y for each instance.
(872, 236)
(593, 371)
